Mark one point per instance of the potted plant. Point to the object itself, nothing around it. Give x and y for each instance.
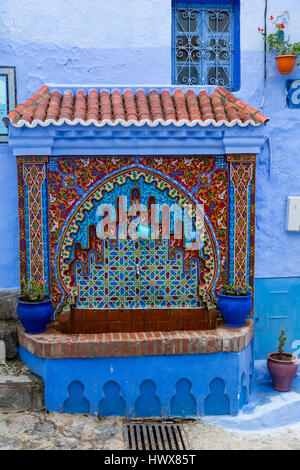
(286, 52)
(34, 308)
(235, 304)
(282, 366)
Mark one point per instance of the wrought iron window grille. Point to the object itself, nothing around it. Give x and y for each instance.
(205, 43)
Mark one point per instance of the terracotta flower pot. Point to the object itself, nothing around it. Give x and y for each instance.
(282, 371)
(285, 63)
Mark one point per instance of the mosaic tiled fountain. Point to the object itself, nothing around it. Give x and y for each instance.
(136, 329)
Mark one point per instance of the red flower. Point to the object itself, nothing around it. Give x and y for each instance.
(271, 17)
(259, 29)
(282, 26)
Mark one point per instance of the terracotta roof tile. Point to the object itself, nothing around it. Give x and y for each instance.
(101, 108)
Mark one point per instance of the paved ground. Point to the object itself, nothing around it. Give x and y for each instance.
(14, 367)
(204, 436)
(267, 409)
(51, 431)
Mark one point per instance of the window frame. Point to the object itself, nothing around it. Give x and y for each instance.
(9, 75)
(237, 50)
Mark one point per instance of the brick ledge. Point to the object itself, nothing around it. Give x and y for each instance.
(55, 345)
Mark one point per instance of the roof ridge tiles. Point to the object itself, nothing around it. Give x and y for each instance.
(128, 107)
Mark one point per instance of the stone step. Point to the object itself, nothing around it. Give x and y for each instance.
(8, 304)
(20, 390)
(8, 335)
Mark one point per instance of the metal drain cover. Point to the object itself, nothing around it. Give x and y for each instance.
(154, 436)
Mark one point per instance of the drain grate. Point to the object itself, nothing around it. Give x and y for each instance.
(152, 436)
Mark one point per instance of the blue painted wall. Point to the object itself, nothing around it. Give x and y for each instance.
(124, 42)
(9, 262)
(276, 306)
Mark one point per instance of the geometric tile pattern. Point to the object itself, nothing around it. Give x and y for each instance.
(137, 274)
(76, 186)
(34, 176)
(193, 178)
(79, 225)
(34, 195)
(23, 248)
(241, 176)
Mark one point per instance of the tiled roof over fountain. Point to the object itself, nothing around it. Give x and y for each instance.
(100, 107)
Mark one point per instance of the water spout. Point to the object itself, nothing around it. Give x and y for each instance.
(137, 269)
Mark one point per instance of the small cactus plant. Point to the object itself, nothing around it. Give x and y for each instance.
(282, 341)
(282, 366)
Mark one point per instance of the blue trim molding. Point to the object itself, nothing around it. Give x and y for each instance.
(79, 140)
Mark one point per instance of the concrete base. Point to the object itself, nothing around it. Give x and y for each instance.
(21, 393)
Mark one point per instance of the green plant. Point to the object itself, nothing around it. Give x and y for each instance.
(33, 290)
(235, 291)
(277, 43)
(282, 341)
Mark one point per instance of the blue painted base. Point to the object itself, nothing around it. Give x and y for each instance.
(183, 386)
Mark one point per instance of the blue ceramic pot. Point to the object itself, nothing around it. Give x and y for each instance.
(34, 316)
(235, 310)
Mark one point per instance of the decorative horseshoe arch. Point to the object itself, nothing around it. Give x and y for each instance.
(211, 259)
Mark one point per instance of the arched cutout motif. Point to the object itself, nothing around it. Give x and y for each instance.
(243, 392)
(112, 404)
(76, 403)
(183, 403)
(135, 196)
(217, 403)
(148, 404)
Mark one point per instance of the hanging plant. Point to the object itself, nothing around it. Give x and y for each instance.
(287, 53)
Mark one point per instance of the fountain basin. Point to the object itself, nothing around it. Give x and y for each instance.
(178, 373)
